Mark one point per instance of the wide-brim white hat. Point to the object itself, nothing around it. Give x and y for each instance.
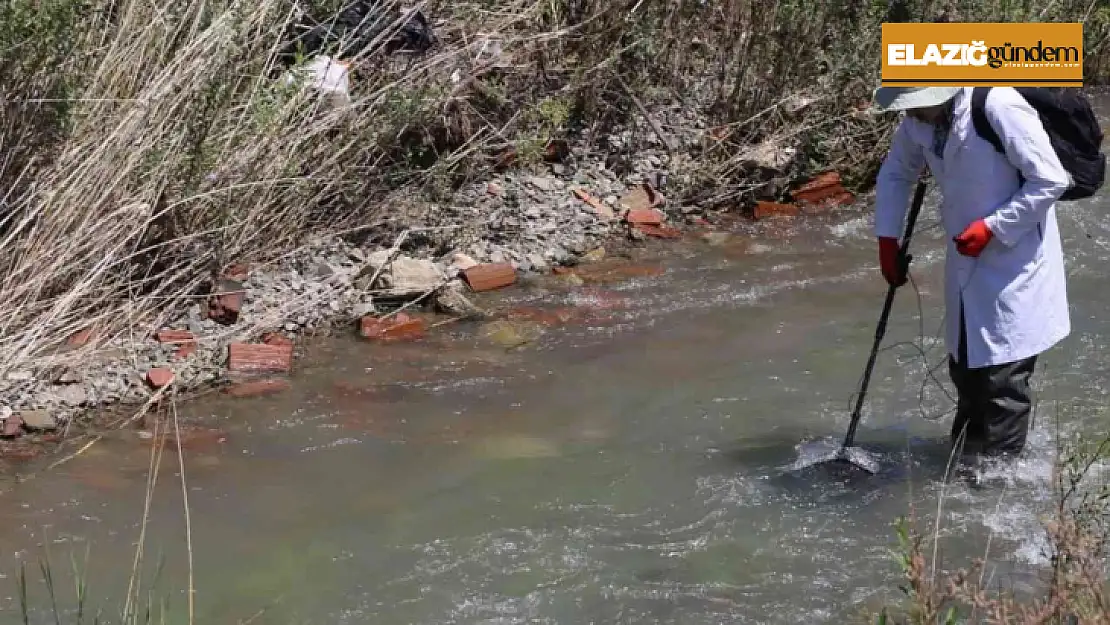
(903, 98)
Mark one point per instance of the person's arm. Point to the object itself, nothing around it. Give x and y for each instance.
(894, 186)
(1029, 150)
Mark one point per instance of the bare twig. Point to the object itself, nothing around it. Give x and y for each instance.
(647, 116)
(188, 518)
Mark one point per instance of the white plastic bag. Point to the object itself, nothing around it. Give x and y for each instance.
(328, 76)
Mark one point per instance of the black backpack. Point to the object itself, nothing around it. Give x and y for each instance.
(1072, 127)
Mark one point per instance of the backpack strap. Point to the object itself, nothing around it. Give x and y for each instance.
(979, 118)
(983, 125)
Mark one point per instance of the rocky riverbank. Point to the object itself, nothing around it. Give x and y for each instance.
(516, 224)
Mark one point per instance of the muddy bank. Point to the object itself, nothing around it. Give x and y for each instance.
(574, 221)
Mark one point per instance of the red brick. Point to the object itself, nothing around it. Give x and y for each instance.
(505, 159)
(185, 350)
(159, 377)
(13, 426)
(226, 302)
(599, 207)
(660, 232)
(176, 337)
(254, 358)
(769, 209)
(401, 327)
(720, 133)
(257, 388)
(818, 196)
(556, 151)
(237, 271)
(820, 181)
(489, 276)
(822, 188)
(81, 337)
(644, 217)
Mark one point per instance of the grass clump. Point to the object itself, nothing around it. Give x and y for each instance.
(1073, 589)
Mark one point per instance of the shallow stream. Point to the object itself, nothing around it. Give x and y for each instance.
(630, 465)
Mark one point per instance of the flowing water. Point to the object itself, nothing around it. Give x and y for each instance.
(630, 466)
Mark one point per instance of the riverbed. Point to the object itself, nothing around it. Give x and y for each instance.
(630, 463)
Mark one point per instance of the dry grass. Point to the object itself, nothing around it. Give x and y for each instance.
(1073, 590)
(142, 604)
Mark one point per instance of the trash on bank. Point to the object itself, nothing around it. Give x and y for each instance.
(354, 31)
(327, 76)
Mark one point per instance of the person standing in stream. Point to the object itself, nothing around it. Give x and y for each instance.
(1005, 285)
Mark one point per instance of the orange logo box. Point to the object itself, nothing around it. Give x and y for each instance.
(1040, 54)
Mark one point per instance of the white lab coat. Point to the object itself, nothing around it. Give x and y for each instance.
(1014, 294)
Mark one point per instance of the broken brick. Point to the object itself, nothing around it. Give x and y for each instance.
(13, 426)
(556, 151)
(80, 338)
(226, 302)
(176, 337)
(185, 350)
(660, 232)
(489, 276)
(720, 133)
(644, 217)
(821, 189)
(505, 159)
(257, 388)
(765, 209)
(159, 377)
(599, 207)
(820, 181)
(237, 271)
(399, 328)
(255, 358)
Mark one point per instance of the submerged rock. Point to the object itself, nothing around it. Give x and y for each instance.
(513, 447)
(511, 334)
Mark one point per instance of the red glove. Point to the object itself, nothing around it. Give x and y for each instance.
(972, 240)
(890, 262)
